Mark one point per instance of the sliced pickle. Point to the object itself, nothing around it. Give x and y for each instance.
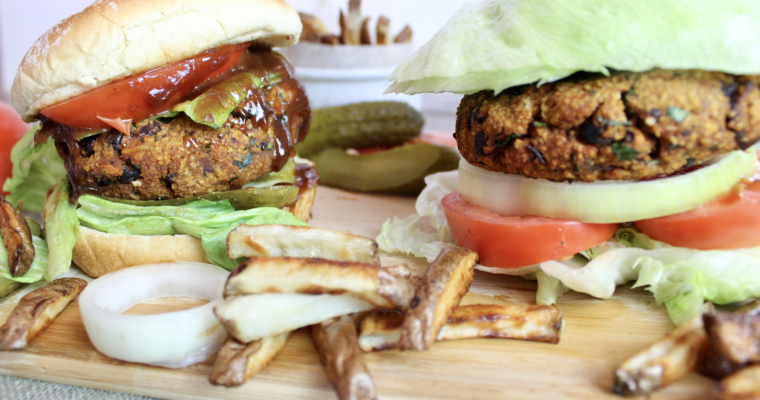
(400, 170)
(242, 199)
(361, 125)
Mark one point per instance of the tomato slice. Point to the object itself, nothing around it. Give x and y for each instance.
(149, 93)
(513, 242)
(12, 128)
(729, 222)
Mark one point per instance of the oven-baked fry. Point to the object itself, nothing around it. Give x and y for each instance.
(275, 240)
(735, 336)
(37, 310)
(371, 283)
(17, 238)
(664, 361)
(383, 30)
(237, 362)
(338, 349)
(381, 330)
(405, 36)
(365, 38)
(536, 323)
(442, 287)
(313, 28)
(743, 385)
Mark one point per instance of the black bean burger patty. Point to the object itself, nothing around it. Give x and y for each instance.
(179, 158)
(626, 126)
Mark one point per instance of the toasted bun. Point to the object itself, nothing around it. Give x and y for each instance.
(98, 253)
(113, 39)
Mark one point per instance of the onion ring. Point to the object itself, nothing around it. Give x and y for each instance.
(172, 340)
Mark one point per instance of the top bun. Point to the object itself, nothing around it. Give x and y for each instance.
(113, 39)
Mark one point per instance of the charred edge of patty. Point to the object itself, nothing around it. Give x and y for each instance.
(625, 127)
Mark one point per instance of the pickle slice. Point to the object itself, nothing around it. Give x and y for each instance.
(361, 125)
(241, 199)
(400, 170)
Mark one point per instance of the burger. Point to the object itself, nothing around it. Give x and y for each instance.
(174, 122)
(602, 142)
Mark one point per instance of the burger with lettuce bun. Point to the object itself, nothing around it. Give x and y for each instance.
(602, 142)
(161, 128)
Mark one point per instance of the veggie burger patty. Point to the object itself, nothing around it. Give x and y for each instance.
(626, 126)
(166, 158)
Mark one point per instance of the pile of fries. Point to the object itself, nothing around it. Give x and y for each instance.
(354, 29)
(720, 345)
(332, 282)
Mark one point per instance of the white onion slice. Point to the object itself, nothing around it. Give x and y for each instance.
(172, 340)
(255, 316)
(604, 201)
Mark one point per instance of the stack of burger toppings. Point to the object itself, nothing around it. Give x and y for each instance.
(579, 118)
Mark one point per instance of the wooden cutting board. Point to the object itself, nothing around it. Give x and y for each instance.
(598, 335)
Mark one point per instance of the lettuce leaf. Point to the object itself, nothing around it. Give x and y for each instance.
(213, 107)
(35, 169)
(497, 44)
(61, 229)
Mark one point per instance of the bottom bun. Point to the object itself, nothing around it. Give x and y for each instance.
(98, 253)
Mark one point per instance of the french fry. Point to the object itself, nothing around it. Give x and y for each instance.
(743, 385)
(253, 317)
(346, 36)
(735, 336)
(368, 282)
(405, 36)
(383, 30)
(37, 310)
(365, 38)
(313, 28)
(276, 240)
(330, 39)
(716, 366)
(381, 330)
(237, 362)
(534, 323)
(400, 270)
(444, 284)
(17, 238)
(339, 352)
(664, 361)
(355, 19)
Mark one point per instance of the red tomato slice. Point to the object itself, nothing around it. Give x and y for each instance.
(513, 242)
(729, 222)
(149, 93)
(12, 128)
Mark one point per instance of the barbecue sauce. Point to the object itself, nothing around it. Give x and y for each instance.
(281, 106)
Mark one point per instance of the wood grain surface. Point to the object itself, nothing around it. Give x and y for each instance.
(598, 335)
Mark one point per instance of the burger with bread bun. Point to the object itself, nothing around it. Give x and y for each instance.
(174, 121)
(602, 143)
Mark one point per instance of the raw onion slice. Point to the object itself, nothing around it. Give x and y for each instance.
(172, 340)
(604, 201)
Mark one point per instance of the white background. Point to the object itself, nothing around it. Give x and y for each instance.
(23, 21)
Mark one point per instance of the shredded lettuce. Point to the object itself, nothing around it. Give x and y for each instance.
(61, 229)
(423, 234)
(35, 169)
(496, 44)
(681, 278)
